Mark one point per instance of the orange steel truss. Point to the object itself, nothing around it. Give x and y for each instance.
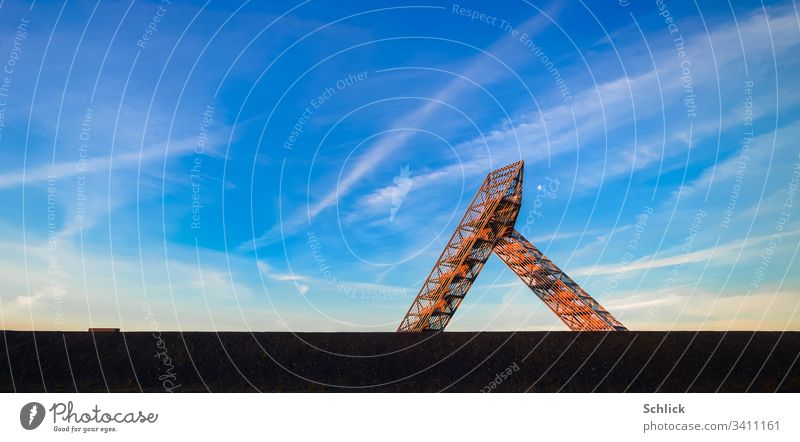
(488, 226)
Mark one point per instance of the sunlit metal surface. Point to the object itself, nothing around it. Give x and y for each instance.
(488, 226)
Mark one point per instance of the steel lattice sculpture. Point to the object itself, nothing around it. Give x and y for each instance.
(488, 226)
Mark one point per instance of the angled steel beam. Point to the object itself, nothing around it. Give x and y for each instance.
(557, 290)
(491, 214)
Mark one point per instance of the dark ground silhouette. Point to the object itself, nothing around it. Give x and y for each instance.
(452, 361)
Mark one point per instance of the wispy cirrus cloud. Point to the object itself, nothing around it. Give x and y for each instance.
(397, 136)
(725, 253)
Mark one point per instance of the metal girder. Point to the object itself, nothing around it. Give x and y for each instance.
(490, 215)
(557, 290)
(486, 227)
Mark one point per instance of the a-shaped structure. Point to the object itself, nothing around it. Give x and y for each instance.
(488, 226)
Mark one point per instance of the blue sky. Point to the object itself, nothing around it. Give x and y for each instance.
(300, 166)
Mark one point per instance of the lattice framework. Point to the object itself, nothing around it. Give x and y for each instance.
(488, 226)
